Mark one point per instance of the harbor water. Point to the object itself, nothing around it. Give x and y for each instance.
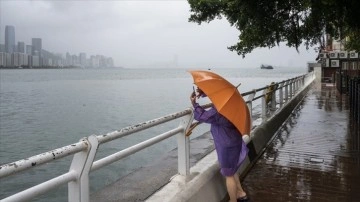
(44, 109)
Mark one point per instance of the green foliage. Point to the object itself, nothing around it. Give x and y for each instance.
(354, 41)
(266, 23)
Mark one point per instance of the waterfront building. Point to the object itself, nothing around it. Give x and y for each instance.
(68, 59)
(9, 39)
(48, 62)
(75, 60)
(2, 59)
(48, 58)
(21, 47)
(36, 46)
(19, 59)
(94, 61)
(29, 60)
(2, 47)
(102, 61)
(58, 60)
(35, 61)
(25, 59)
(15, 58)
(83, 59)
(8, 60)
(28, 49)
(110, 62)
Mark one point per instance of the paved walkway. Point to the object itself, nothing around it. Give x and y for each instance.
(315, 157)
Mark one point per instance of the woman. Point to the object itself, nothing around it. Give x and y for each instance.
(230, 147)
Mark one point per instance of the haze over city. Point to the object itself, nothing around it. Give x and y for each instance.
(138, 34)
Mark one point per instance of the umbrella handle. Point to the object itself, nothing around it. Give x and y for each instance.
(192, 127)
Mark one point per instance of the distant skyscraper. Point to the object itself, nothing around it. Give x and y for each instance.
(2, 47)
(36, 46)
(83, 59)
(21, 47)
(28, 49)
(9, 39)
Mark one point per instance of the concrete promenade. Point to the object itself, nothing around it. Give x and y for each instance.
(314, 157)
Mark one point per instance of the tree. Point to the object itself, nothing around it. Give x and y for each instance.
(266, 23)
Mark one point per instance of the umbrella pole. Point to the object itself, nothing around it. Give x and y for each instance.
(238, 85)
(192, 127)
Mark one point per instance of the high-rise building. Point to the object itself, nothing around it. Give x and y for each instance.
(28, 49)
(36, 46)
(21, 47)
(68, 59)
(2, 48)
(35, 61)
(2, 59)
(83, 59)
(9, 38)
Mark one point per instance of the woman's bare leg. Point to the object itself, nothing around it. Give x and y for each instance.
(231, 188)
(240, 192)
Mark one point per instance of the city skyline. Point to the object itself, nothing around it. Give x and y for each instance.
(14, 54)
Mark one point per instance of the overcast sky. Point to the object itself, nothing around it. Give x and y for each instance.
(137, 34)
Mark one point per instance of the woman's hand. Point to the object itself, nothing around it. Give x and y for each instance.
(200, 93)
(193, 98)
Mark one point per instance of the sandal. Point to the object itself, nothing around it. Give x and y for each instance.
(243, 199)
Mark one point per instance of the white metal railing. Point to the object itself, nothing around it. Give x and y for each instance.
(85, 150)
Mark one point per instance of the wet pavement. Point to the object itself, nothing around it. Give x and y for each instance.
(314, 157)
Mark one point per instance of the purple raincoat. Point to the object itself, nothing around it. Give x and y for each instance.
(230, 147)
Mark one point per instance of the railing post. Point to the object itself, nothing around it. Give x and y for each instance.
(79, 191)
(264, 107)
(281, 94)
(303, 81)
(184, 145)
(297, 85)
(249, 101)
(294, 87)
(273, 99)
(291, 88)
(286, 91)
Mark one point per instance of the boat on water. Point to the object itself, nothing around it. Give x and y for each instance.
(266, 67)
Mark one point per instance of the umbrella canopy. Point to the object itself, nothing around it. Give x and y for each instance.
(226, 99)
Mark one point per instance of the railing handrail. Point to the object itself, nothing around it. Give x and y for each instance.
(17, 166)
(84, 151)
(135, 148)
(141, 126)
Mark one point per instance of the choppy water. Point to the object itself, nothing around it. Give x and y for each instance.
(41, 110)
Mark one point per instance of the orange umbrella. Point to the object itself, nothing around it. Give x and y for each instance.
(226, 99)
